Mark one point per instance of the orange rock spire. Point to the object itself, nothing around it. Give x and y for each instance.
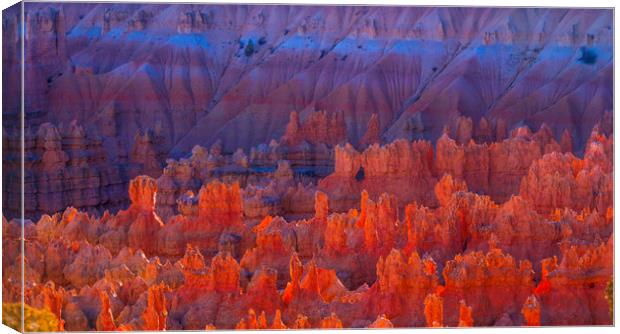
(301, 322)
(381, 322)
(217, 200)
(465, 317)
(105, 320)
(155, 314)
(373, 132)
(433, 310)
(531, 311)
(53, 300)
(331, 322)
(446, 187)
(142, 191)
(321, 206)
(277, 321)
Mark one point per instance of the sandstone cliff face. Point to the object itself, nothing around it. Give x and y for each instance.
(87, 54)
(342, 217)
(154, 315)
(380, 169)
(381, 322)
(189, 174)
(485, 279)
(147, 152)
(358, 76)
(563, 180)
(446, 187)
(319, 127)
(217, 225)
(277, 285)
(271, 186)
(65, 167)
(373, 132)
(581, 276)
(399, 294)
(275, 243)
(306, 143)
(491, 167)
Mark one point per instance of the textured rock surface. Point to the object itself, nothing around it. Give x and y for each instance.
(416, 184)
(357, 60)
(433, 310)
(381, 169)
(465, 316)
(563, 180)
(319, 127)
(531, 311)
(373, 132)
(147, 153)
(487, 279)
(371, 79)
(65, 167)
(313, 272)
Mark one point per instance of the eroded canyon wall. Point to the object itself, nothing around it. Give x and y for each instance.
(271, 167)
(467, 260)
(153, 81)
(122, 68)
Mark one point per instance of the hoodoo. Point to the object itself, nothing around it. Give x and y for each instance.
(227, 166)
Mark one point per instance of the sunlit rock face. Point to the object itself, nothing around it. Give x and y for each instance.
(465, 261)
(198, 167)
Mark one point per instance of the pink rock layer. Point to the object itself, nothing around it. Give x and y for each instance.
(122, 69)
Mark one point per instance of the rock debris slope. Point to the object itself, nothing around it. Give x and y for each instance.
(235, 73)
